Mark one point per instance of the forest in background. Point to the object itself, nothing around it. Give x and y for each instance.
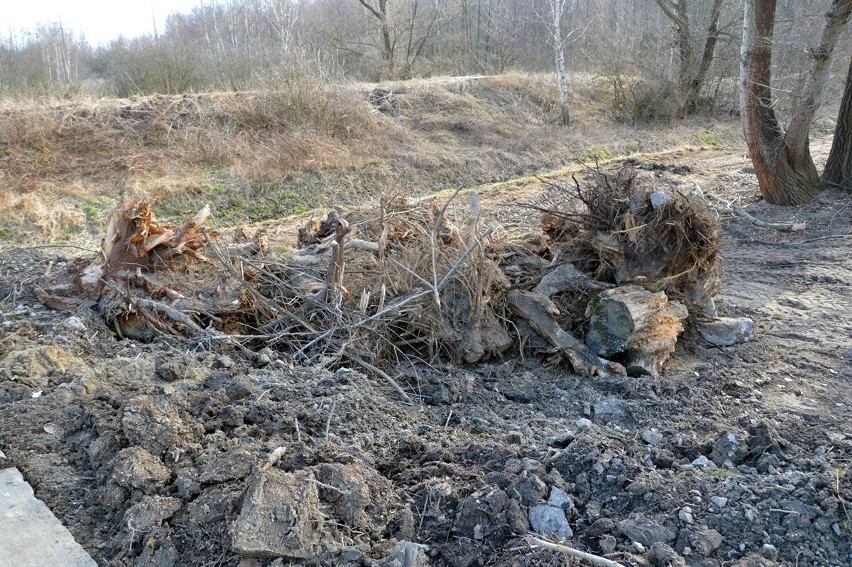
(652, 52)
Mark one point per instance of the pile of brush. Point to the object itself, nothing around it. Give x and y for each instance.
(419, 281)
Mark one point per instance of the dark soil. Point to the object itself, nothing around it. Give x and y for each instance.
(163, 454)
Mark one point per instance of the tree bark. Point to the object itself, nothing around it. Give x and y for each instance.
(706, 56)
(783, 165)
(557, 9)
(380, 12)
(838, 168)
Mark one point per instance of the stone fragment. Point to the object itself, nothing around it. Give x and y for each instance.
(728, 447)
(549, 520)
(719, 501)
(610, 408)
(651, 437)
(607, 544)
(410, 554)
(727, 331)
(645, 531)
(663, 555)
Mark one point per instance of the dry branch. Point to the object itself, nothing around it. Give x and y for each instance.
(591, 558)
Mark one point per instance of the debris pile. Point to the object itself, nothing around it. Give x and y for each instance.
(626, 269)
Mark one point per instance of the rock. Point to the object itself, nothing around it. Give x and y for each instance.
(702, 462)
(567, 277)
(638, 488)
(658, 199)
(600, 527)
(607, 544)
(728, 447)
(262, 359)
(280, 516)
(610, 408)
(719, 501)
(645, 531)
(584, 424)
(559, 499)
(549, 520)
(663, 555)
(769, 551)
(137, 468)
(224, 361)
(531, 489)
(700, 540)
(727, 331)
(75, 323)
(685, 515)
(651, 437)
(409, 554)
(150, 512)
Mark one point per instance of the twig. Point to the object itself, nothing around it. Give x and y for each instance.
(783, 227)
(328, 421)
(741, 212)
(398, 305)
(595, 559)
(330, 487)
(384, 375)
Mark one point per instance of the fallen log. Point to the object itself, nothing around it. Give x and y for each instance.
(539, 312)
(636, 323)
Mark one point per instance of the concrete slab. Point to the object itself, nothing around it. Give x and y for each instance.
(30, 535)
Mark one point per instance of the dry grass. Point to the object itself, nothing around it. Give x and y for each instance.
(262, 155)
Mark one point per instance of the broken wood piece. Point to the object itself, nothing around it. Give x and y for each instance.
(566, 277)
(334, 276)
(591, 558)
(540, 313)
(634, 322)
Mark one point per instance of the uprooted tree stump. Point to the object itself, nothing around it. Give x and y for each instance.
(636, 325)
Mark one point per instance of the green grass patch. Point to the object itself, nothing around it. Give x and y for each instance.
(598, 154)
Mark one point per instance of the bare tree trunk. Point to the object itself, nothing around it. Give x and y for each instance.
(838, 168)
(782, 162)
(706, 56)
(557, 9)
(380, 11)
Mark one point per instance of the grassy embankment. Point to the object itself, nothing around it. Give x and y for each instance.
(261, 155)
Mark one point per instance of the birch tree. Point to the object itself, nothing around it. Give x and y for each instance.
(559, 41)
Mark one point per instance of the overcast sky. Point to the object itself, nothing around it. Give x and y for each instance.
(100, 20)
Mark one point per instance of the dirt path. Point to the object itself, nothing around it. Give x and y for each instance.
(162, 454)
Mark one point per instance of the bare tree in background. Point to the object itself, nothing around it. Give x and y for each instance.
(559, 41)
(690, 84)
(838, 168)
(409, 31)
(782, 161)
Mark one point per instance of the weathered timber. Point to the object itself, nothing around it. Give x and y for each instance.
(633, 322)
(540, 312)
